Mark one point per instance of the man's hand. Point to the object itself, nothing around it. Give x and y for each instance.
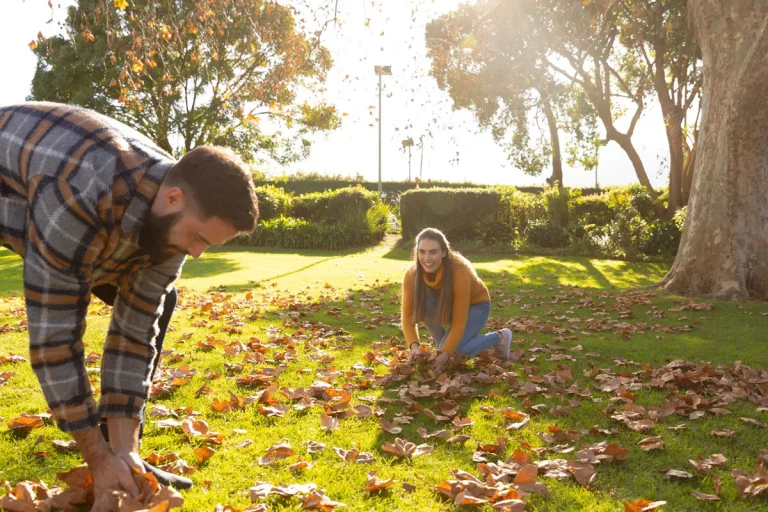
(108, 470)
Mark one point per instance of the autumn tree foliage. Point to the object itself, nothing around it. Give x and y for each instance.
(237, 73)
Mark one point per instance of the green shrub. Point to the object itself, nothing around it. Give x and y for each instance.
(292, 233)
(556, 200)
(273, 202)
(509, 222)
(332, 205)
(662, 238)
(590, 210)
(377, 221)
(456, 212)
(546, 233)
(679, 218)
(355, 229)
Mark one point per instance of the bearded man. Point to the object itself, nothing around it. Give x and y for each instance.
(95, 208)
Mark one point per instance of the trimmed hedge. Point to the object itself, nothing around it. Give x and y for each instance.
(332, 205)
(336, 219)
(273, 202)
(453, 211)
(356, 230)
(619, 223)
(392, 190)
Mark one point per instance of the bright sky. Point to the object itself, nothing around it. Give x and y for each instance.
(411, 101)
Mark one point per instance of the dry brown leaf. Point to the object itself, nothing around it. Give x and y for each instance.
(25, 422)
(203, 453)
(705, 497)
(526, 475)
(329, 423)
(376, 484)
(583, 472)
(389, 427)
(651, 443)
(674, 473)
(314, 446)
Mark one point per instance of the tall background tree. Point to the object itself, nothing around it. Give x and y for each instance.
(724, 247)
(609, 56)
(509, 89)
(187, 73)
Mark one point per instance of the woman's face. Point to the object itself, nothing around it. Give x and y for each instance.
(430, 255)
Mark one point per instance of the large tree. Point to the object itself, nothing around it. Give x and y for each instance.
(192, 72)
(657, 32)
(492, 73)
(617, 53)
(724, 249)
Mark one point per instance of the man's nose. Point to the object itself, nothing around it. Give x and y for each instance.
(197, 250)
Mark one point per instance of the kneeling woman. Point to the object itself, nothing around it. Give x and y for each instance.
(442, 290)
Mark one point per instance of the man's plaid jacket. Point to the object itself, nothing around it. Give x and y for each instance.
(75, 188)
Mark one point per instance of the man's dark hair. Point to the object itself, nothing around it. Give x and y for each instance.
(219, 184)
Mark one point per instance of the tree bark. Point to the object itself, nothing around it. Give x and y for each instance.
(557, 160)
(724, 248)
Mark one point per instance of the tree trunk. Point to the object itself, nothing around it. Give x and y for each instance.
(724, 249)
(676, 165)
(557, 160)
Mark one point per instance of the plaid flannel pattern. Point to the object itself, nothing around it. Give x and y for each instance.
(75, 188)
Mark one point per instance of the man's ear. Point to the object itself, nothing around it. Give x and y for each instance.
(169, 200)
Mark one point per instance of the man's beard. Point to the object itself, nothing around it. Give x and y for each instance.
(155, 234)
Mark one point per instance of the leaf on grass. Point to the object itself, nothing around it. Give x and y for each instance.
(403, 448)
(753, 422)
(25, 422)
(583, 472)
(314, 446)
(460, 423)
(641, 505)
(705, 497)
(329, 423)
(389, 427)
(526, 475)
(280, 451)
(651, 443)
(674, 473)
(301, 465)
(318, 501)
(194, 428)
(722, 432)
(376, 484)
(67, 446)
(346, 455)
(363, 411)
(203, 453)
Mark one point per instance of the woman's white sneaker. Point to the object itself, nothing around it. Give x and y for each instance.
(505, 342)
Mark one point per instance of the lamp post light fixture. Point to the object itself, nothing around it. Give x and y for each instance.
(408, 143)
(381, 70)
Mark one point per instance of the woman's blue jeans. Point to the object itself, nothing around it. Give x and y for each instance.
(472, 343)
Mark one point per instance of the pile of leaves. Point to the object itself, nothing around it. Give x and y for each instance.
(32, 496)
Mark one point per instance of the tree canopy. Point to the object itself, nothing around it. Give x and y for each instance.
(574, 63)
(186, 73)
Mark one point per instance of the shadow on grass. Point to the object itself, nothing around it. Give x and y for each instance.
(289, 252)
(210, 265)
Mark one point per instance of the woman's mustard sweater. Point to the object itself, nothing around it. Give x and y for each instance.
(468, 289)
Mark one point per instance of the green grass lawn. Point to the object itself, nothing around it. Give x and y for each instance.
(576, 314)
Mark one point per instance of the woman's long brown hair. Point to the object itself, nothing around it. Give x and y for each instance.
(445, 299)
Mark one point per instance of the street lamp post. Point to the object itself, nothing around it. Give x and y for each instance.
(408, 143)
(381, 70)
